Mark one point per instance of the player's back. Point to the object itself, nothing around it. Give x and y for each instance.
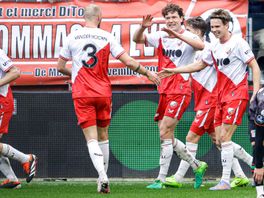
(89, 49)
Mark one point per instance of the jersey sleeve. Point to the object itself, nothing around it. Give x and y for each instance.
(244, 52)
(5, 62)
(115, 48)
(207, 55)
(65, 52)
(153, 38)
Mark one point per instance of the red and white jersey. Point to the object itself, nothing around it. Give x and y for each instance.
(5, 64)
(204, 86)
(89, 49)
(230, 60)
(173, 52)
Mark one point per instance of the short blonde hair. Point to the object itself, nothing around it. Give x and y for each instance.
(92, 11)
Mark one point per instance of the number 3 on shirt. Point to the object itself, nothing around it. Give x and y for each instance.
(90, 54)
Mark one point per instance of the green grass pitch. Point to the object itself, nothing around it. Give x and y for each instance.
(124, 189)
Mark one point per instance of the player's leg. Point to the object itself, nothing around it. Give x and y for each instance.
(6, 169)
(176, 180)
(85, 110)
(240, 179)
(104, 109)
(104, 144)
(231, 117)
(28, 161)
(166, 126)
(258, 156)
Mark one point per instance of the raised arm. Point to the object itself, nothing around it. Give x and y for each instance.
(256, 76)
(197, 43)
(193, 67)
(137, 67)
(12, 74)
(138, 35)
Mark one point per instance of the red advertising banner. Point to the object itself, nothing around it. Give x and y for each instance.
(32, 34)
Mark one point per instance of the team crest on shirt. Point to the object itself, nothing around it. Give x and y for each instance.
(199, 113)
(173, 104)
(230, 111)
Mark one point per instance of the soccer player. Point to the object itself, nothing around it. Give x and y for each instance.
(174, 92)
(89, 48)
(205, 99)
(230, 55)
(256, 113)
(8, 73)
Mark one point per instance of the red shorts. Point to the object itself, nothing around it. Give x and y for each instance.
(172, 106)
(6, 111)
(203, 122)
(93, 111)
(230, 112)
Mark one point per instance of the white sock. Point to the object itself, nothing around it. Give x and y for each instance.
(104, 146)
(184, 166)
(165, 158)
(240, 153)
(259, 190)
(227, 155)
(13, 153)
(238, 172)
(6, 169)
(184, 154)
(97, 158)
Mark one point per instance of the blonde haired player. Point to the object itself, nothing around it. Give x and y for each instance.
(89, 48)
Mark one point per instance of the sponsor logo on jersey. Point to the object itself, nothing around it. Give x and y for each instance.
(172, 53)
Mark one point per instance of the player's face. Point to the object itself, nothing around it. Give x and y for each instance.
(218, 28)
(173, 21)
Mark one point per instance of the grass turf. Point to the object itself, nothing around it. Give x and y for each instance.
(119, 189)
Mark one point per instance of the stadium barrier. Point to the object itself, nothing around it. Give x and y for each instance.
(44, 123)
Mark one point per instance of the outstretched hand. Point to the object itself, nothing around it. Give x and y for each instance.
(152, 76)
(166, 72)
(170, 32)
(147, 21)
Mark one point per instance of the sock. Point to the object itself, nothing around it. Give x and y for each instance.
(259, 190)
(227, 155)
(184, 166)
(6, 169)
(238, 172)
(13, 153)
(240, 153)
(97, 158)
(184, 154)
(104, 146)
(165, 158)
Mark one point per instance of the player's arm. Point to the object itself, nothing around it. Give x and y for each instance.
(61, 67)
(12, 74)
(137, 67)
(256, 76)
(193, 67)
(139, 35)
(196, 43)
